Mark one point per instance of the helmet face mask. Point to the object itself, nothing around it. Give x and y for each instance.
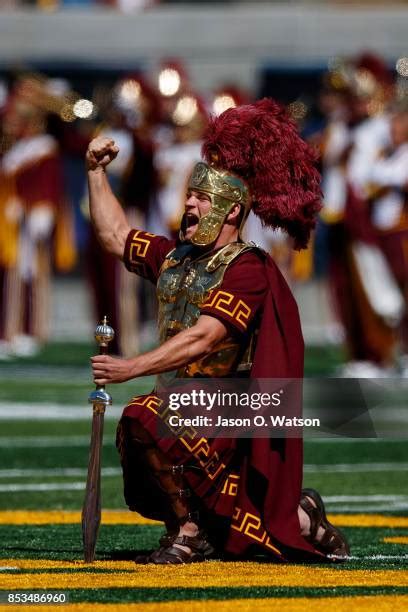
(224, 190)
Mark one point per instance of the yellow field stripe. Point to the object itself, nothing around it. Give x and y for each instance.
(209, 574)
(124, 517)
(380, 603)
(396, 540)
(43, 564)
(66, 517)
(368, 520)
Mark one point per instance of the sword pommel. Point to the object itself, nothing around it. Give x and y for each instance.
(104, 333)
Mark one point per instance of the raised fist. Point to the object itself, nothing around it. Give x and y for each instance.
(100, 153)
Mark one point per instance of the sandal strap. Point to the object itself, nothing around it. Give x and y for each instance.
(197, 543)
(174, 555)
(199, 546)
(314, 515)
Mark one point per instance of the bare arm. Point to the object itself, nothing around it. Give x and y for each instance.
(107, 215)
(187, 346)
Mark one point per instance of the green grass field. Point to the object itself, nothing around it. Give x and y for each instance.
(44, 439)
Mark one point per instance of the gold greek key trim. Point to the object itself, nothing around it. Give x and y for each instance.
(231, 485)
(240, 312)
(188, 436)
(251, 526)
(197, 445)
(139, 246)
(152, 402)
(209, 462)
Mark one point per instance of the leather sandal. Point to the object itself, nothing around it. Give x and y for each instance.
(173, 555)
(200, 548)
(169, 554)
(333, 542)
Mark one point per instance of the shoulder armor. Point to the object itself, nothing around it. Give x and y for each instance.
(227, 254)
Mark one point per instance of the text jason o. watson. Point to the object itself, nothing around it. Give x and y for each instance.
(257, 421)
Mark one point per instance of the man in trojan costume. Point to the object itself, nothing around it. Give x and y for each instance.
(237, 497)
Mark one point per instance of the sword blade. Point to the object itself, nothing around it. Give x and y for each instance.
(91, 510)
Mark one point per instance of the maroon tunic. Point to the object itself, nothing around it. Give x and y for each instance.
(247, 490)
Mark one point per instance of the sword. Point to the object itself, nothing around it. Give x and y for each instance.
(99, 398)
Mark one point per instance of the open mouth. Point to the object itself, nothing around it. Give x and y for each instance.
(188, 220)
(191, 219)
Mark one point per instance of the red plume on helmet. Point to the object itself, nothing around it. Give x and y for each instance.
(260, 143)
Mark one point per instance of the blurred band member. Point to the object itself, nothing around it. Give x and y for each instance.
(33, 215)
(356, 136)
(387, 192)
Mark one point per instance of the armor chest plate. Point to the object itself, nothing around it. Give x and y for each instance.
(181, 288)
(183, 285)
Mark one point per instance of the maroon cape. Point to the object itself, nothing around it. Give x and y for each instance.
(280, 354)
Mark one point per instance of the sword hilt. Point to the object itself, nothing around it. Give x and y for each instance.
(104, 334)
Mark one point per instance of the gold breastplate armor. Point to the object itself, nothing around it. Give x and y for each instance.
(185, 280)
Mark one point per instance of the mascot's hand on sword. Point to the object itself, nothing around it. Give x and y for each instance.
(101, 151)
(107, 370)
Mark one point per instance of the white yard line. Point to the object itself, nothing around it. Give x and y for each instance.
(381, 557)
(342, 439)
(367, 508)
(355, 467)
(342, 503)
(43, 441)
(54, 373)
(49, 441)
(377, 557)
(366, 503)
(363, 498)
(113, 471)
(49, 486)
(16, 411)
(63, 472)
